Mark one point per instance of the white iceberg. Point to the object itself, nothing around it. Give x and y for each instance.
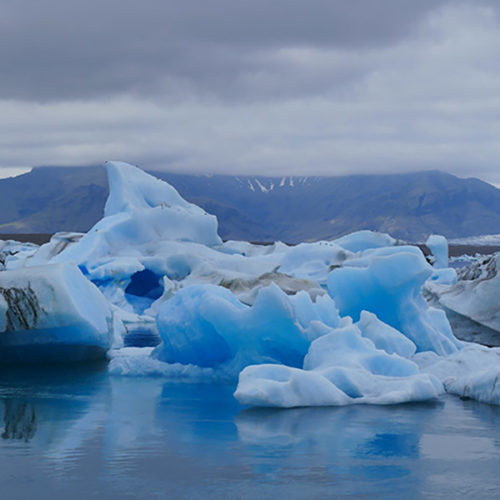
(340, 368)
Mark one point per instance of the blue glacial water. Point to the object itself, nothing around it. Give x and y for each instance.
(80, 434)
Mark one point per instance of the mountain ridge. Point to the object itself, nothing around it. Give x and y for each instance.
(259, 208)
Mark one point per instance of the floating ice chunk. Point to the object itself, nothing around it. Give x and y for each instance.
(207, 326)
(363, 240)
(390, 287)
(482, 386)
(140, 209)
(442, 274)
(340, 368)
(52, 313)
(475, 298)
(438, 245)
(286, 387)
(384, 336)
(473, 372)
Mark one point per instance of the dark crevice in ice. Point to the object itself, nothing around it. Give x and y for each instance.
(23, 309)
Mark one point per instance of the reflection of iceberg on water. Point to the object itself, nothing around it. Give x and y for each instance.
(55, 409)
(337, 431)
(19, 420)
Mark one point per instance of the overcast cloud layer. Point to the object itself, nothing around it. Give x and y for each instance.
(256, 87)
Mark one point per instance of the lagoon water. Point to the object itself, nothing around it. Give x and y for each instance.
(79, 433)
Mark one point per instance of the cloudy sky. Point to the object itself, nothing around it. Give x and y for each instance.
(281, 87)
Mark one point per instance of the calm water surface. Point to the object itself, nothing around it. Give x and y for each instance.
(79, 434)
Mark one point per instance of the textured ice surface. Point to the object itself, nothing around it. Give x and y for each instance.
(384, 336)
(13, 254)
(314, 260)
(52, 313)
(364, 240)
(442, 274)
(207, 326)
(389, 285)
(140, 209)
(340, 368)
(473, 372)
(47, 251)
(438, 245)
(476, 294)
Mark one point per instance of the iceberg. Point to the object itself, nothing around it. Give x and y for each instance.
(475, 295)
(438, 245)
(340, 368)
(389, 285)
(326, 323)
(442, 273)
(140, 209)
(207, 326)
(473, 372)
(52, 313)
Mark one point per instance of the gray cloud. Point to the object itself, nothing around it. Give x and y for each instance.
(282, 87)
(71, 49)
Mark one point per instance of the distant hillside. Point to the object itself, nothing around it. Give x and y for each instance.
(291, 209)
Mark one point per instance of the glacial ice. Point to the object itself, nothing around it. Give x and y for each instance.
(364, 240)
(340, 368)
(326, 323)
(314, 260)
(438, 245)
(52, 313)
(389, 286)
(384, 336)
(13, 254)
(476, 293)
(207, 326)
(473, 372)
(442, 273)
(140, 209)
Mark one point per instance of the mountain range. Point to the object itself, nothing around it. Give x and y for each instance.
(291, 209)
